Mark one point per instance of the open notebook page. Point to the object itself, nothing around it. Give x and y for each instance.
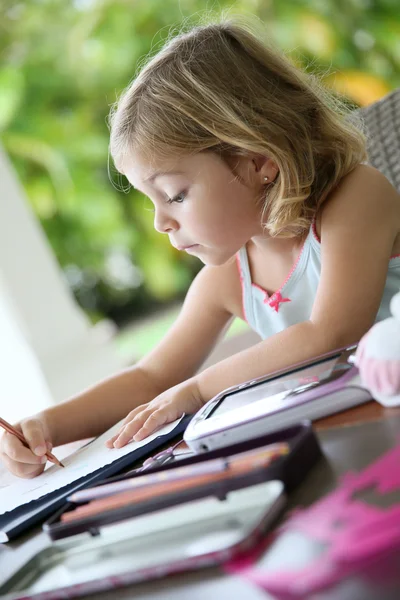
(15, 492)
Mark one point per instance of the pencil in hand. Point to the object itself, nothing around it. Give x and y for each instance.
(10, 429)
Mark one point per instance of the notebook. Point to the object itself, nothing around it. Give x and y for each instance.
(25, 502)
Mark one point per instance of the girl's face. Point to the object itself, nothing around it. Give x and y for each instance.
(203, 207)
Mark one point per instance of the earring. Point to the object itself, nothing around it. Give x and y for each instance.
(265, 179)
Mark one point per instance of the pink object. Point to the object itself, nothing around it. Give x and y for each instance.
(378, 358)
(356, 536)
(276, 300)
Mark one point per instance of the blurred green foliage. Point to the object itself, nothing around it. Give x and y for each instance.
(62, 64)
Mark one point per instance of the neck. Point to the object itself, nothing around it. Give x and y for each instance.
(264, 243)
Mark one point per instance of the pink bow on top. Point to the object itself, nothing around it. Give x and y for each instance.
(275, 300)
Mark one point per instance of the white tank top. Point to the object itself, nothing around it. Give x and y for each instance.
(294, 300)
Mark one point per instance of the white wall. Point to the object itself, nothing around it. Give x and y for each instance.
(23, 388)
(46, 340)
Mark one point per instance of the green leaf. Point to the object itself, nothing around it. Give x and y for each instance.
(11, 94)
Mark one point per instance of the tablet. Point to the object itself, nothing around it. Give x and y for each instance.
(311, 390)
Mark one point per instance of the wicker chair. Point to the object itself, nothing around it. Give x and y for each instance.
(382, 124)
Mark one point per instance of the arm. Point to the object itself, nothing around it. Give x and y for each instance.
(176, 358)
(359, 224)
(179, 355)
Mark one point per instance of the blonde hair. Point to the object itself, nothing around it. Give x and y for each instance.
(221, 88)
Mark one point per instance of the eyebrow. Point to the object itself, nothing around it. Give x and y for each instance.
(161, 173)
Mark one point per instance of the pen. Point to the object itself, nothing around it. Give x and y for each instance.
(22, 439)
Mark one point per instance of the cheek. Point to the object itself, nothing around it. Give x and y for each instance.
(216, 220)
(224, 229)
(237, 210)
(225, 211)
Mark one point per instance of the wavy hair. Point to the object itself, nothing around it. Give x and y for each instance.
(221, 88)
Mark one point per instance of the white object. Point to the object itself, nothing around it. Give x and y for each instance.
(70, 352)
(313, 390)
(23, 387)
(378, 358)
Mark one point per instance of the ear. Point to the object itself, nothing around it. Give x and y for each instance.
(254, 170)
(264, 169)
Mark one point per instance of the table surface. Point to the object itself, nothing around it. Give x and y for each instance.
(350, 440)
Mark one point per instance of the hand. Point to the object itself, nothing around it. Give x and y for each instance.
(168, 406)
(20, 460)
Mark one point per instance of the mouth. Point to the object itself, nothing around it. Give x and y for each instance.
(187, 248)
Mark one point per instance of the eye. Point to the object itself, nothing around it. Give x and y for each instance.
(178, 198)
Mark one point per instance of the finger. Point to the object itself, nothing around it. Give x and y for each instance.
(134, 413)
(129, 431)
(20, 469)
(110, 442)
(14, 449)
(131, 416)
(34, 435)
(155, 421)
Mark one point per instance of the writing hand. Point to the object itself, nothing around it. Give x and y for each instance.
(20, 460)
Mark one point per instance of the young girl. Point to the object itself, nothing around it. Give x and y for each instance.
(254, 169)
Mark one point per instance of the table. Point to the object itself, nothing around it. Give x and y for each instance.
(350, 440)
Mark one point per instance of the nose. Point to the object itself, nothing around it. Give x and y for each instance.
(164, 223)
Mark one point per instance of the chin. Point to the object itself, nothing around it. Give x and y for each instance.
(216, 261)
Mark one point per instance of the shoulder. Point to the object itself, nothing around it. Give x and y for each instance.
(368, 181)
(221, 285)
(364, 195)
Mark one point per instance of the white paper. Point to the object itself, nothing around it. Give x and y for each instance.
(84, 461)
